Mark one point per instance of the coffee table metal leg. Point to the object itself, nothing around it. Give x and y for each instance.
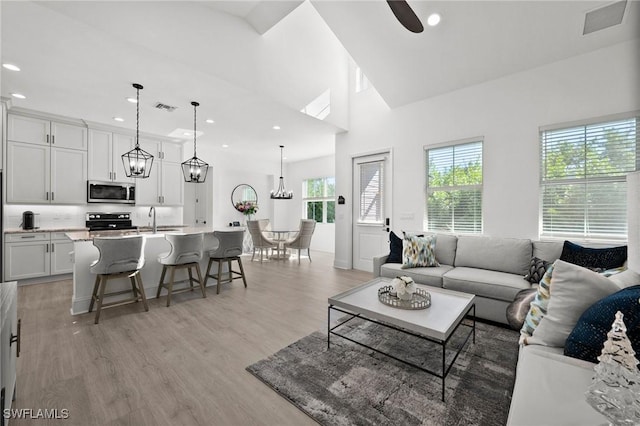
(329, 327)
(474, 323)
(444, 352)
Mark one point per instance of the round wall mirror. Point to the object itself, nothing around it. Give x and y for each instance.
(243, 194)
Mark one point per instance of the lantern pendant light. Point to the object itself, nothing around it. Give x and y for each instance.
(137, 162)
(281, 193)
(194, 169)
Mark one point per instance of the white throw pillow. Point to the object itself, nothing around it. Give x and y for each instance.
(626, 278)
(573, 290)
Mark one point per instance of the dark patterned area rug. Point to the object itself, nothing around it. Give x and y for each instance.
(352, 385)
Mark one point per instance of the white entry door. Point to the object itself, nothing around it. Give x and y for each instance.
(371, 208)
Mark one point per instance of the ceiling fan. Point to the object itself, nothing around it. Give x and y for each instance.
(406, 15)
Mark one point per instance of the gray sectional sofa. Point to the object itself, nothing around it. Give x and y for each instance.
(491, 268)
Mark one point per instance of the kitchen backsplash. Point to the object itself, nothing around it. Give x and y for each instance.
(74, 216)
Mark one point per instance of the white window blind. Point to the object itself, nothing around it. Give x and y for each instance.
(454, 188)
(583, 184)
(371, 184)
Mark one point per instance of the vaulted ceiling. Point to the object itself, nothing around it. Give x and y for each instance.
(256, 64)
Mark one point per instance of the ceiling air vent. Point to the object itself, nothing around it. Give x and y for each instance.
(165, 107)
(604, 17)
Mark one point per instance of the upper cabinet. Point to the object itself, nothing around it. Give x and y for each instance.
(45, 132)
(105, 151)
(46, 161)
(164, 187)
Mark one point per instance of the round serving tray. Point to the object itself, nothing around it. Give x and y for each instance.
(421, 299)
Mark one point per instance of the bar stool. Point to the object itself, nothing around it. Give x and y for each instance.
(186, 251)
(119, 257)
(229, 249)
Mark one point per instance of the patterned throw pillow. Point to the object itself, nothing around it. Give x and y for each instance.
(597, 260)
(537, 268)
(418, 251)
(588, 336)
(518, 309)
(538, 307)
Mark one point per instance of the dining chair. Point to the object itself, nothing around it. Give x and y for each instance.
(260, 240)
(303, 239)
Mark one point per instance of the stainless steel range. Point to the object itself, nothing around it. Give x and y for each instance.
(98, 221)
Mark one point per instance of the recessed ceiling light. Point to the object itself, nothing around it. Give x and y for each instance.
(276, 127)
(132, 100)
(187, 133)
(118, 119)
(210, 121)
(433, 19)
(11, 67)
(18, 95)
(225, 146)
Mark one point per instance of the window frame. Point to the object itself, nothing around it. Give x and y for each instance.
(449, 188)
(587, 233)
(325, 198)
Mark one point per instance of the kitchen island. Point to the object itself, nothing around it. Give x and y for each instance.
(85, 253)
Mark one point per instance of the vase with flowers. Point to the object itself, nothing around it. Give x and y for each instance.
(247, 208)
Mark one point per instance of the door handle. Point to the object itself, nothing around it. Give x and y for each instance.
(53, 247)
(53, 138)
(47, 138)
(52, 196)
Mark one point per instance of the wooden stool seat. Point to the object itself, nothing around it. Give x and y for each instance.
(119, 258)
(229, 250)
(186, 251)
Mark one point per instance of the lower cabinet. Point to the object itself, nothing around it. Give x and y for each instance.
(38, 254)
(10, 347)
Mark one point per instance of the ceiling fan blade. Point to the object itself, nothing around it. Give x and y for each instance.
(406, 15)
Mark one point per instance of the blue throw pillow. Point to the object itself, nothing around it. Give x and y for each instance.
(596, 259)
(587, 338)
(395, 249)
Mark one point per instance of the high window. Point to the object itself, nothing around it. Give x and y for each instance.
(583, 184)
(318, 199)
(454, 187)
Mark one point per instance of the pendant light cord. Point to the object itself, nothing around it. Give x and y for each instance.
(281, 148)
(194, 129)
(137, 116)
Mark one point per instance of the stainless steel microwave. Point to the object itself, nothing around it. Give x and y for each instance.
(111, 192)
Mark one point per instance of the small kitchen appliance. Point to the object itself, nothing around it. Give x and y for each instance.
(28, 220)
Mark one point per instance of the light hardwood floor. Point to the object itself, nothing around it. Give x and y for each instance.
(182, 365)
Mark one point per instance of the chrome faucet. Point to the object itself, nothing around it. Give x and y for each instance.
(153, 210)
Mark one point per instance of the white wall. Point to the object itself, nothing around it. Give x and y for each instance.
(508, 113)
(289, 212)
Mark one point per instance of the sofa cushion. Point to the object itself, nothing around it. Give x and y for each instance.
(418, 251)
(588, 336)
(573, 290)
(395, 248)
(430, 276)
(597, 259)
(547, 250)
(445, 248)
(485, 283)
(511, 255)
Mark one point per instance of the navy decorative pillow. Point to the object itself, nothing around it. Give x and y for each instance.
(537, 268)
(588, 337)
(595, 259)
(395, 249)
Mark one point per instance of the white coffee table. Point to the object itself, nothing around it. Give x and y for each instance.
(436, 323)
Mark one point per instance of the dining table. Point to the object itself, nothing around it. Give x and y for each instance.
(280, 237)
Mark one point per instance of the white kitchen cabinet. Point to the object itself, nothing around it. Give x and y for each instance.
(38, 174)
(28, 173)
(10, 336)
(105, 151)
(68, 176)
(37, 254)
(27, 256)
(61, 254)
(45, 132)
(164, 186)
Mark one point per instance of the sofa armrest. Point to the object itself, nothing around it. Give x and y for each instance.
(377, 263)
